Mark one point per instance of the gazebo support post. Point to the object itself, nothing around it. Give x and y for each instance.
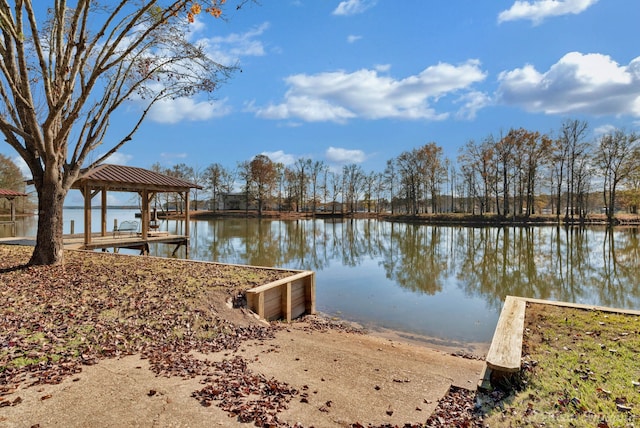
(13, 215)
(144, 214)
(103, 212)
(88, 196)
(186, 215)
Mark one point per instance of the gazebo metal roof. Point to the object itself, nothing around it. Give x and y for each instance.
(10, 194)
(130, 179)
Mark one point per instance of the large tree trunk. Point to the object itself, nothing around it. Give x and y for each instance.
(49, 242)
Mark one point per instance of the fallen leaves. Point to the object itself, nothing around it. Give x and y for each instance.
(456, 409)
(249, 396)
(55, 319)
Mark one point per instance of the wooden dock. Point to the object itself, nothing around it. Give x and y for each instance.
(129, 241)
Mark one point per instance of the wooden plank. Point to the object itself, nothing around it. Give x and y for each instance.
(285, 297)
(280, 281)
(272, 304)
(583, 306)
(310, 290)
(505, 351)
(298, 298)
(252, 302)
(260, 305)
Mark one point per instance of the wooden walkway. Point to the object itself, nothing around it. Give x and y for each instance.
(98, 242)
(124, 240)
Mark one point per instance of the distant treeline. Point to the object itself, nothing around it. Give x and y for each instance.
(517, 173)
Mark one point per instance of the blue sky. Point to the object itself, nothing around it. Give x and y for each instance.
(361, 81)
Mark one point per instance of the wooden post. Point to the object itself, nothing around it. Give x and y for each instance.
(310, 294)
(86, 193)
(144, 215)
(13, 216)
(186, 217)
(261, 305)
(73, 227)
(285, 303)
(103, 213)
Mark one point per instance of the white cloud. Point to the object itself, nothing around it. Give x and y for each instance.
(538, 10)
(604, 130)
(231, 48)
(353, 7)
(339, 96)
(281, 157)
(577, 83)
(226, 50)
(472, 102)
(118, 158)
(352, 38)
(338, 155)
(179, 109)
(197, 26)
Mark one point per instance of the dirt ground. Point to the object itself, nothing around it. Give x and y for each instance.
(326, 374)
(347, 377)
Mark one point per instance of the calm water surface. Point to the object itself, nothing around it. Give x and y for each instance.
(446, 283)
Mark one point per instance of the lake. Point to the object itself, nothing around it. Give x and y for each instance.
(441, 284)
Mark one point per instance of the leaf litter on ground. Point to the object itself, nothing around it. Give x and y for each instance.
(56, 319)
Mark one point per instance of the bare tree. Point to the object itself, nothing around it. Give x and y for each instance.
(536, 154)
(504, 150)
(292, 189)
(369, 185)
(244, 174)
(63, 75)
(197, 177)
(353, 184)
(478, 169)
(391, 177)
(614, 155)
(215, 178)
(432, 166)
(571, 150)
(263, 175)
(303, 167)
(315, 171)
(183, 172)
(335, 185)
(410, 178)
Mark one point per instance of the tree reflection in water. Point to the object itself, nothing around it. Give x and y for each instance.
(468, 269)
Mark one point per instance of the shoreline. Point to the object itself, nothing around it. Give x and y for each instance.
(444, 219)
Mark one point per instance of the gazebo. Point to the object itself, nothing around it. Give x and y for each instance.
(119, 178)
(11, 195)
